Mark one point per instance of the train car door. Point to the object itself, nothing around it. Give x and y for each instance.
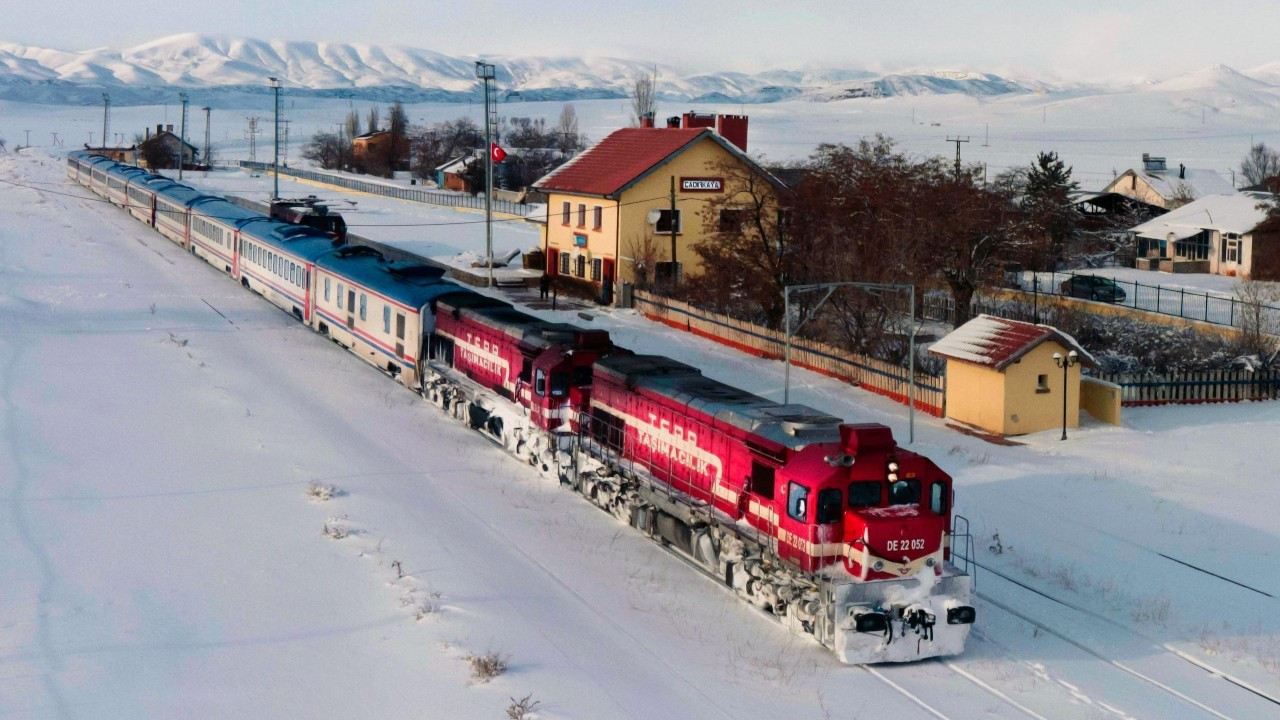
(351, 309)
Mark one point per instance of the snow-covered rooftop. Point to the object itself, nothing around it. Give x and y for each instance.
(1235, 213)
(1199, 182)
(997, 342)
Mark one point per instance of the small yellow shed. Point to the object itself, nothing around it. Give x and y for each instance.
(1002, 375)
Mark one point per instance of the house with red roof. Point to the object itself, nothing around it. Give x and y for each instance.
(609, 210)
(1007, 377)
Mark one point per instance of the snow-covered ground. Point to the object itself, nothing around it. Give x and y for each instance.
(161, 426)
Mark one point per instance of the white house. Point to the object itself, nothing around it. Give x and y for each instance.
(1218, 234)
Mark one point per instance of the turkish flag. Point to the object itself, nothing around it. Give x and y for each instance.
(498, 153)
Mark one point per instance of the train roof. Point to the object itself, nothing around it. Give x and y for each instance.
(792, 426)
(228, 212)
(299, 240)
(529, 330)
(411, 284)
(184, 195)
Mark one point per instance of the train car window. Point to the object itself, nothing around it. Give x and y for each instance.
(364, 303)
(399, 326)
(559, 383)
(326, 289)
(341, 292)
(582, 376)
(905, 492)
(830, 506)
(797, 502)
(540, 383)
(386, 319)
(762, 479)
(864, 494)
(938, 498)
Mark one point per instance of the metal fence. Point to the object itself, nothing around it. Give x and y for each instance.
(430, 197)
(1174, 301)
(1192, 388)
(878, 376)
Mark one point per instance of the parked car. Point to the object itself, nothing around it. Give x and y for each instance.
(1091, 287)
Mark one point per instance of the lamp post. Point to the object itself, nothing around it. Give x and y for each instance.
(275, 161)
(485, 71)
(182, 141)
(1065, 363)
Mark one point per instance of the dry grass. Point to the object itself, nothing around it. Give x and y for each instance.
(520, 709)
(487, 666)
(320, 492)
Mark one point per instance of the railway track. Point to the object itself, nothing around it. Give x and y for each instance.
(1257, 703)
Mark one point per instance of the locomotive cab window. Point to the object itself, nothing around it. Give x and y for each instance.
(540, 382)
(830, 506)
(762, 479)
(582, 376)
(904, 492)
(526, 369)
(938, 498)
(797, 502)
(559, 383)
(864, 494)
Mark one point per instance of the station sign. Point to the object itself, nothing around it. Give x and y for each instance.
(701, 184)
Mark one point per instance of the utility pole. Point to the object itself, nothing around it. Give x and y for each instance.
(675, 275)
(106, 115)
(28, 142)
(207, 146)
(182, 141)
(986, 137)
(275, 88)
(485, 71)
(957, 140)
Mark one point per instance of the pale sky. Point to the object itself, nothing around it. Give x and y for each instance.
(1081, 40)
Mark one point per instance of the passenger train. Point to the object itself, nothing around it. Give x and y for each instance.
(829, 527)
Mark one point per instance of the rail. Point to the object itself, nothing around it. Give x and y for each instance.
(429, 197)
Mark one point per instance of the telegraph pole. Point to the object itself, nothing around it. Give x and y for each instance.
(106, 115)
(675, 276)
(207, 146)
(275, 88)
(182, 144)
(957, 140)
(485, 71)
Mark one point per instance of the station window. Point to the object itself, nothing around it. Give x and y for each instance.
(582, 266)
(564, 213)
(582, 214)
(386, 319)
(564, 263)
(596, 265)
(1042, 383)
(797, 502)
(864, 494)
(731, 219)
(664, 224)
(598, 217)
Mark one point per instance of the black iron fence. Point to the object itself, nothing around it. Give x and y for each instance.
(431, 197)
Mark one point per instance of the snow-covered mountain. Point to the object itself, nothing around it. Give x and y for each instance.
(221, 65)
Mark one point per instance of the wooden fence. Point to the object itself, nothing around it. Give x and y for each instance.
(1209, 386)
(869, 373)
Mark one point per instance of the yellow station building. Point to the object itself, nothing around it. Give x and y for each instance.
(609, 212)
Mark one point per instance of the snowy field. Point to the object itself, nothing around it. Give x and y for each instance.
(161, 427)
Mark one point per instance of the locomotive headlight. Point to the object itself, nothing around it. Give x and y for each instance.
(879, 565)
(930, 562)
(893, 467)
(893, 477)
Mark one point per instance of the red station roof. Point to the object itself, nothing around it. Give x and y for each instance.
(996, 342)
(619, 159)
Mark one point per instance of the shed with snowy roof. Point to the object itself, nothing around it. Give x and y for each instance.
(1002, 376)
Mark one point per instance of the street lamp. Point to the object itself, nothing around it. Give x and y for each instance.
(1065, 363)
(275, 162)
(485, 72)
(182, 141)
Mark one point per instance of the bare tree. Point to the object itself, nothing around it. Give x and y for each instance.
(1259, 320)
(324, 149)
(567, 135)
(398, 146)
(352, 124)
(375, 119)
(645, 252)
(1182, 194)
(644, 102)
(1260, 165)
